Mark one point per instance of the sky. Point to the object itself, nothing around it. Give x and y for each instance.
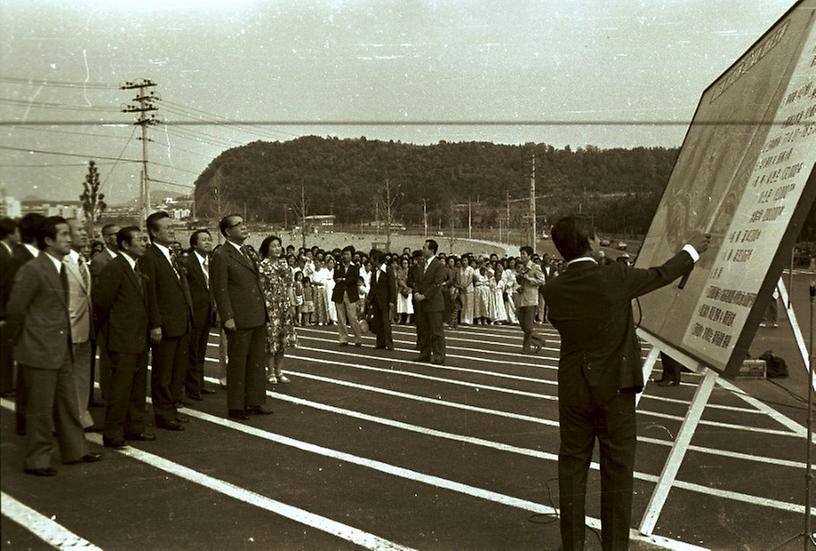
(279, 64)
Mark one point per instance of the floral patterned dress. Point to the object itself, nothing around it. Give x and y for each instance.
(278, 289)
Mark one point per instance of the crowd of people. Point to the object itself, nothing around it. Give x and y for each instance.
(142, 294)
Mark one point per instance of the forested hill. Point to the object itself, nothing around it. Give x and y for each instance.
(620, 188)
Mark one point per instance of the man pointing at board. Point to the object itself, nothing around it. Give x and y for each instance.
(599, 374)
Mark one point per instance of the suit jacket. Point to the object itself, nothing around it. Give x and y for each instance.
(120, 303)
(38, 315)
(203, 304)
(429, 284)
(590, 305)
(236, 286)
(348, 285)
(8, 267)
(532, 281)
(171, 306)
(79, 303)
(384, 289)
(99, 262)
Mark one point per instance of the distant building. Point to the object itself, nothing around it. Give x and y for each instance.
(9, 206)
(179, 214)
(322, 221)
(66, 209)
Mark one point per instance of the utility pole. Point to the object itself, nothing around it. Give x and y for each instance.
(425, 216)
(388, 216)
(507, 220)
(533, 203)
(470, 218)
(303, 213)
(143, 107)
(285, 216)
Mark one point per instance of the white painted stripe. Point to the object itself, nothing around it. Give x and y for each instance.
(541, 396)
(725, 453)
(417, 375)
(780, 418)
(343, 531)
(393, 470)
(49, 531)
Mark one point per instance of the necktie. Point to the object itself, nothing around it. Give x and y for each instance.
(173, 263)
(63, 275)
(83, 271)
(138, 273)
(206, 269)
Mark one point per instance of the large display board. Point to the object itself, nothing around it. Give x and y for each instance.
(745, 173)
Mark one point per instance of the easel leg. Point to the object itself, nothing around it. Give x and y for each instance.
(678, 451)
(797, 331)
(648, 367)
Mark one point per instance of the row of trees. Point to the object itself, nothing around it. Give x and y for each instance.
(348, 178)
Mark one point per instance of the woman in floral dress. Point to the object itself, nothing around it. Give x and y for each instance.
(278, 289)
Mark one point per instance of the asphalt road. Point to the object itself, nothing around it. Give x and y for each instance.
(367, 448)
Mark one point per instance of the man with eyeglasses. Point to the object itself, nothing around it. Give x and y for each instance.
(236, 286)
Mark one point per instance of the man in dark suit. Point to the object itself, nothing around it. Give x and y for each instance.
(120, 302)
(8, 241)
(24, 252)
(345, 297)
(381, 298)
(599, 374)
(428, 294)
(236, 286)
(41, 327)
(171, 313)
(414, 275)
(197, 269)
(98, 263)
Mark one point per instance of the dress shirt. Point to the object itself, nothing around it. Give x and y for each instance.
(57, 263)
(205, 266)
(112, 253)
(7, 246)
(32, 249)
(130, 261)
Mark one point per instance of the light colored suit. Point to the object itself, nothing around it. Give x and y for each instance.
(41, 327)
(80, 313)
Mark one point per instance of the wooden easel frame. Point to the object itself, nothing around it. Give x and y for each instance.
(701, 396)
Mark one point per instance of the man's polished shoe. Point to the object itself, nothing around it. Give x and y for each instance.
(45, 471)
(181, 418)
(141, 437)
(169, 425)
(260, 410)
(207, 391)
(422, 359)
(196, 397)
(93, 428)
(238, 415)
(87, 458)
(117, 444)
(438, 362)
(358, 344)
(183, 404)
(668, 382)
(343, 344)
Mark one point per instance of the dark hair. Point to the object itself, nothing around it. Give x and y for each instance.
(298, 273)
(349, 248)
(571, 236)
(264, 250)
(194, 236)
(224, 224)
(290, 246)
(376, 255)
(527, 249)
(48, 228)
(106, 227)
(433, 245)
(305, 280)
(125, 235)
(7, 226)
(153, 222)
(417, 254)
(30, 226)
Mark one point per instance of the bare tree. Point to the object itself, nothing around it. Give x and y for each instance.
(93, 202)
(387, 203)
(300, 211)
(452, 234)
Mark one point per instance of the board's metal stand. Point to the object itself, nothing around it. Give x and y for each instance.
(695, 411)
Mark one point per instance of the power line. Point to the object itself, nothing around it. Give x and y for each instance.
(220, 119)
(63, 154)
(57, 83)
(52, 165)
(185, 186)
(118, 160)
(57, 106)
(37, 129)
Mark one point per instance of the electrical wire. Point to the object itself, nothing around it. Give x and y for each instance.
(52, 165)
(69, 132)
(58, 106)
(118, 160)
(549, 518)
(58, 83)
(63, 154)
(220, 119)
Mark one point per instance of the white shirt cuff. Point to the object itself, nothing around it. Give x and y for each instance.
(695, 256)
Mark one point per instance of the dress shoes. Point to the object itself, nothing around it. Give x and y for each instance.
(260, 410)
(118, 444)
(422, 359)
(238, 415)
(343, 344)
(169, 425)
(196, 397)
(183, 404)
(438, 361)
(180, 418)
(45, 471)
(358, 344)
(87, 458)
(537, 348)
(668, 382)
(141, 437)
(283, 379)
(207, 391)
(93, 428)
